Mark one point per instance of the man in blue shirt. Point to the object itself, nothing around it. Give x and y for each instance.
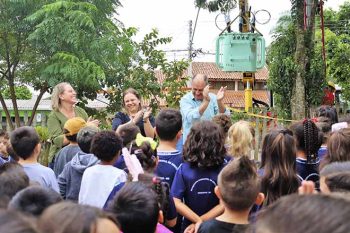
(199, 104)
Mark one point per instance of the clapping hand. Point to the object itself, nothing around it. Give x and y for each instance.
(93, 122)
(147, 113)
(221, 93)
(138, 116)
(206, 92)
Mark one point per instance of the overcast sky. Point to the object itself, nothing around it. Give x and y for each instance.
(171, 18)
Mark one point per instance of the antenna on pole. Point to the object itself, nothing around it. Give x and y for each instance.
(190, 42)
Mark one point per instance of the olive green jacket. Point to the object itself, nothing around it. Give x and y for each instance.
(55, 124)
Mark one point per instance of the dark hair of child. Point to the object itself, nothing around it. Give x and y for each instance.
(307, 138)
(34, 200)
(168, 124)
(239, 184)
(328, 111)
(338, 147)
(4, 134)
(279, 163)
(24, 140)
(106, 145)
(15, 222)
(146, 155)
(68, 217)
(128, 133)
(304, 214)
(12, 179)
(337, 176)
(71, 138)
(325, 127)
(161, 188)
(136, 208)
(224, 121)
(205, 145)
(84, 138)
(11, 152)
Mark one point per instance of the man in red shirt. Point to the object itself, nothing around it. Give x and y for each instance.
(329, 97)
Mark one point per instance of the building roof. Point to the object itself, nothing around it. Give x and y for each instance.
(235, 99)
(45, 104)
(215, 74)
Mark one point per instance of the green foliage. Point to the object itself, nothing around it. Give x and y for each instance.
(338, 66)
(338, 47)
(80, 42)
(216, 5)
(175, 82)
(139, 73)
(338, 21)
(43, 133)
(22, 93)
(71, 36)
(283, 68)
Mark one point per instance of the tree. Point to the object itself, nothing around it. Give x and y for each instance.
(303, 54)
(22, 93)
(14, 47)
(216, 5)
(46, 42)
(81, 43)
(338, 47)
(139, 73)
(283, 69)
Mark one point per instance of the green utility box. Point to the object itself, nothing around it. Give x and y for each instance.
(240, 52)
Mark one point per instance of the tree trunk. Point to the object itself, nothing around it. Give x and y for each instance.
(14, 99)
(42, 91)
(298, 93)
(7, 113)
(304, 46)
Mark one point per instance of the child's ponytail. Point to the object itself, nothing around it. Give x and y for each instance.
(311, 140)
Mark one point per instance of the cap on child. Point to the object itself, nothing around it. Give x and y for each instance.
(73, 125)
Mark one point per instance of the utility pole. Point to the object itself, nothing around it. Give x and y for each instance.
(190, 48)
(248, 77)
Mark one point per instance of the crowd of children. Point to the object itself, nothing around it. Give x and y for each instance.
(107, 181)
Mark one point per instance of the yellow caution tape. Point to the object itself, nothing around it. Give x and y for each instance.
(260, 116)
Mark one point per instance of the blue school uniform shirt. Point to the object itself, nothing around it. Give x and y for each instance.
(168, 164)
(195, 186)
(120, 163)
(4, 159)
(322, 152)
(308, 171)
(171, 210)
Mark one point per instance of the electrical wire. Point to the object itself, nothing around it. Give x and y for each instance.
(195, 25)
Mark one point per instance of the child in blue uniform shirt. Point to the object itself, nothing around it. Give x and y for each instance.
(195, 180)
(168, 130)
(238, 189)
(308, 142)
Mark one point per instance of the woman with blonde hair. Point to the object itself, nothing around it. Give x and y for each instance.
(241, 139)
(63, 103)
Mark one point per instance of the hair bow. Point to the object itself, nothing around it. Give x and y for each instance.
(140, 139)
